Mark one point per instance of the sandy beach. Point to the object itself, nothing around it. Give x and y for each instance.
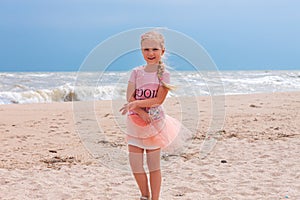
(48, 152)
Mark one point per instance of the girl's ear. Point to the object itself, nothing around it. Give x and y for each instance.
(163, 51)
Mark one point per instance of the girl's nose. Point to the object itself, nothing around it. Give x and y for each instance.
(151, 51)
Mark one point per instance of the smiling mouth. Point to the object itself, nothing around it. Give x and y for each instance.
(151, 58)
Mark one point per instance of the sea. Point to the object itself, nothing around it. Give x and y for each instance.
(47, 87)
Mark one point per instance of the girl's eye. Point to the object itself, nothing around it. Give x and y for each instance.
(147, 49)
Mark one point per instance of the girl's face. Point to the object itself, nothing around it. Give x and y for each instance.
(152, 51)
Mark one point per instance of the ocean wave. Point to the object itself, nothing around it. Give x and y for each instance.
(62, 87)
(63, 93)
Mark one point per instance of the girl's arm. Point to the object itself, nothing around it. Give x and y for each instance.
(130, 98)
(152, 102)
(158, 100)
(130, 92)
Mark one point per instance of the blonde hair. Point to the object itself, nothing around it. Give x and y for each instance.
(154, 35)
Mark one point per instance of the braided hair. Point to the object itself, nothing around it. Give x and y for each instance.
(160, 72)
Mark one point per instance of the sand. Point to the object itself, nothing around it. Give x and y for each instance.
(77, 151)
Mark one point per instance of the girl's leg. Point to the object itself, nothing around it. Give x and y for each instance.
(153, 161)
(136, 156)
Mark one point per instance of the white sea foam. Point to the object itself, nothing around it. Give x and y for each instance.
(68, 86)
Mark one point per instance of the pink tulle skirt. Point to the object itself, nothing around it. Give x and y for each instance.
(160, 133)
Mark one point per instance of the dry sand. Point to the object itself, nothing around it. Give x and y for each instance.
(77, 151)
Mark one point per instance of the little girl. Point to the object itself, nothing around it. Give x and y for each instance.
(148, 127)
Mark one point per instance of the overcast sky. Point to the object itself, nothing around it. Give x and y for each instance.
(57, 35)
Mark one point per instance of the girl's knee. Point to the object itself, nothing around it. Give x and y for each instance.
(136, 162)
(153, 160)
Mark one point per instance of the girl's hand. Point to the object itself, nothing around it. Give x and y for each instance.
(128, 106)
(146, 117)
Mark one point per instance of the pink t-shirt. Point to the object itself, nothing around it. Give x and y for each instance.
(147, 83)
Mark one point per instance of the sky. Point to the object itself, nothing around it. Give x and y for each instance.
(57, 35)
